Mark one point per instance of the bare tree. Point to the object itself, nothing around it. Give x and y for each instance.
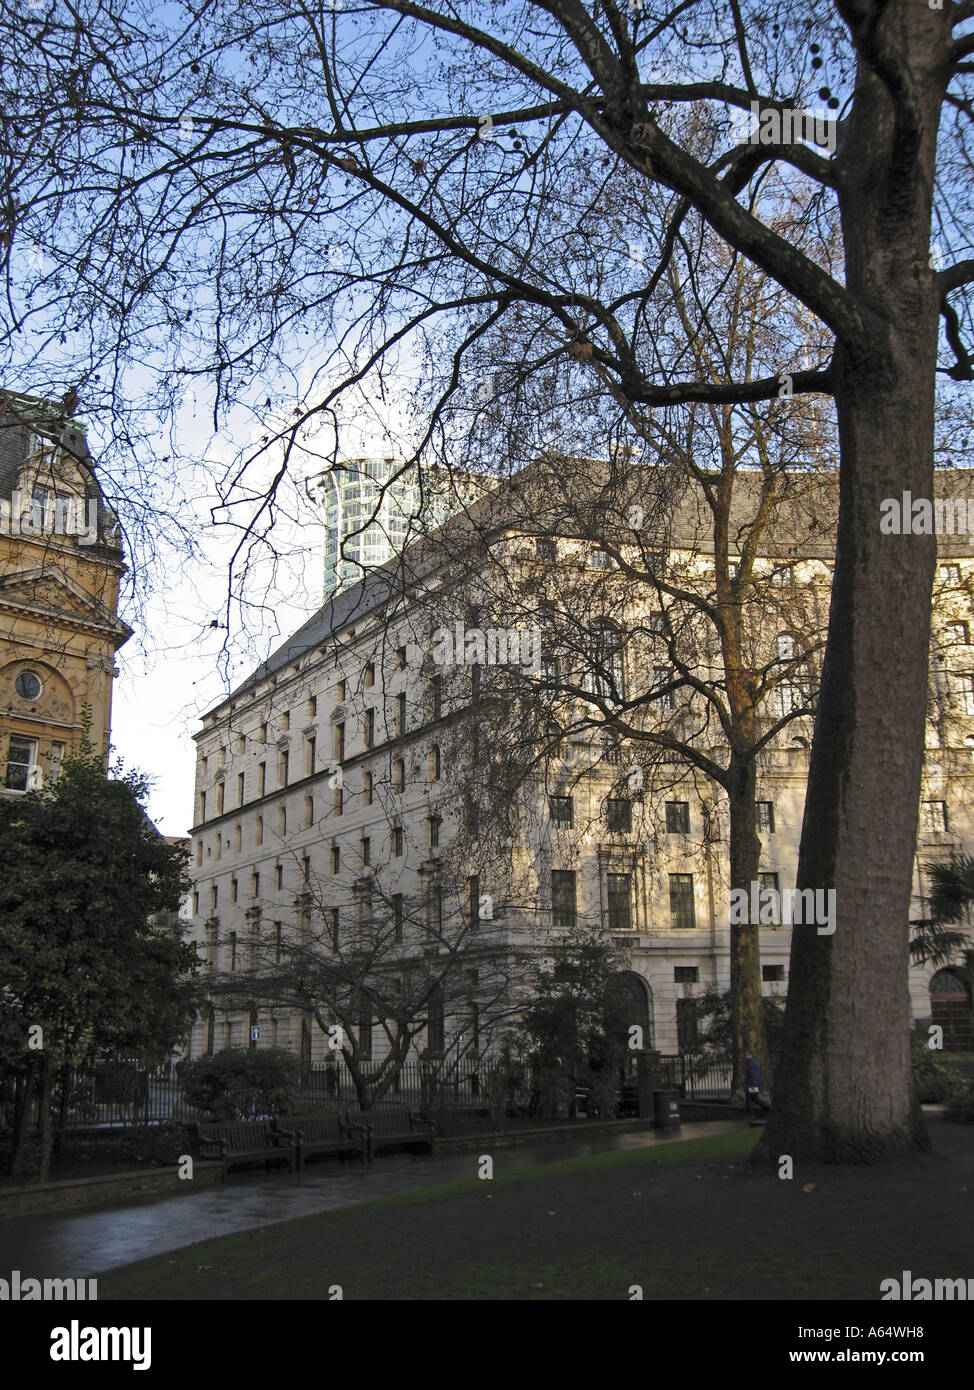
(186, 185)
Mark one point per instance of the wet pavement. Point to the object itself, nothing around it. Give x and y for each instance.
(83, 1244)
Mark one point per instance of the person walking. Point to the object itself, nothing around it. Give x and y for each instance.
(753, 1085)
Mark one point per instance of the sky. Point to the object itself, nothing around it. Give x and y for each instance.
(176, 666)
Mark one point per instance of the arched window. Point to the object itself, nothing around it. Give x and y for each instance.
(605, 676)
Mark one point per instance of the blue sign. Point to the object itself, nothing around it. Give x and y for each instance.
(254, 1034)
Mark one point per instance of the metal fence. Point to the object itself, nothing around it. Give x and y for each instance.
(698, 1078)
(122, 1093)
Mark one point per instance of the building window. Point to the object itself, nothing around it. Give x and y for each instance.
(400, 715)
(687, 1024)
(950, 574)
(237, 837)
(786, 647)
(333, 919)
(312, 706)
(657, 623)
(618, 813)
(368, 676)
(788, 695)
(436, 1031)
(28, 685)
(435, 763)
(278, 942)
(306, 870)
(240, 788)
(278, 875)
(310, 749)
(400, 658)
(682, 913)
(678, 818)
(605, 676)
(259, 831)
(562, 812)
(436, 696)
(22, 756)
(563, 897)
(397, 840)
(964, 689)
(619, 897)
(662, 677)
(341, 692)
(219, 799)
(399, 775)
(233, 890)
(397, 917)
(261, 779)
(285, 763)
(286, 720)
(546, 549)
(598, 559)
(765, 816)
(436, 910)
(262, 734)
(196, 904)
(340, 743)
(473, 900)
(933, 817)
(309, 812)
(233, 950)
(434, 831)
(282, 821)
(255, 885)
(336, 858)
(769, 882)
(783, 577)
(366, 850)
(214, 897)
(772, 973)
(370, 728)
(199, 853)
(686, 974)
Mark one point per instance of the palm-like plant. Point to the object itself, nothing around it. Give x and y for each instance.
(951, 900)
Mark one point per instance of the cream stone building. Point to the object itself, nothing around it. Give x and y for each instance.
(60, 569)
(403, 809)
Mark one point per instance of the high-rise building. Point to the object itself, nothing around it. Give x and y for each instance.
(372, 507)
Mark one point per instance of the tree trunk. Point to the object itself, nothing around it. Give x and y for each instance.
(844, 1091)
(24, 1097)
(747, 1018)
(46, 1118)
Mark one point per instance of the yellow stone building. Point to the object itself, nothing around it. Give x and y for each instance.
(60, 570)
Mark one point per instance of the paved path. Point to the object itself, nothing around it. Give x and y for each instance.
(83, 1244)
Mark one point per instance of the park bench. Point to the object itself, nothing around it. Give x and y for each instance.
(323, 1134)
(392, 1129)
(243, 1141)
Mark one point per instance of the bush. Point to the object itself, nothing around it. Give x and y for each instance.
(960, 1107)
(243, 1083)
(936, 1080)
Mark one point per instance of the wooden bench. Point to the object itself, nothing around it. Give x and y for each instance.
(243, 1141)
(392, 1129)
(323, 1134)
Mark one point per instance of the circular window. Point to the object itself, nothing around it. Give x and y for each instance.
(27, 685)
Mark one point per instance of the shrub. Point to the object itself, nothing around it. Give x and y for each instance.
(936, 1080)
(243, 1083)
(960, 1107)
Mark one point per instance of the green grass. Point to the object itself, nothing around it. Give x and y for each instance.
(368, 1248)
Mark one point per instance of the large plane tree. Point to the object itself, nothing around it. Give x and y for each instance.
(222, 193)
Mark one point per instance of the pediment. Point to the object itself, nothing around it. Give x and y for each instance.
(55, 594)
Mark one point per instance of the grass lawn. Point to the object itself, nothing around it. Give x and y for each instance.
(684, 1220)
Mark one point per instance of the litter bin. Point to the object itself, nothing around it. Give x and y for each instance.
(666, 1110)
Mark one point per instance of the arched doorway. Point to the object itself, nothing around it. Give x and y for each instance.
(950, 1007)
(633, 998)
